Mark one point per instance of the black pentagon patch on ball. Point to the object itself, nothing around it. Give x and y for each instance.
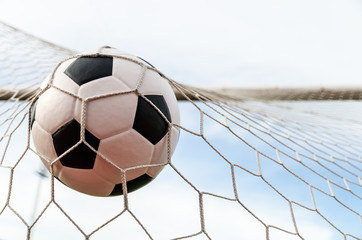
(132, 185)
(148, 121)
(32, 113)
(81, 157)
(86, 69)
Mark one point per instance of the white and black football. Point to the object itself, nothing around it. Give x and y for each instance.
(128, 111)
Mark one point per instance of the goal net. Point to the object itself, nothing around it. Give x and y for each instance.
(250, 164)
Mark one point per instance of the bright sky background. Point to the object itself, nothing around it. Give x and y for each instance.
(235, 43)
(203, 43)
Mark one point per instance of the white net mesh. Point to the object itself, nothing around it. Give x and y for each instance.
(242, 170)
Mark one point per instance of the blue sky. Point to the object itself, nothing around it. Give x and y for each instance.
(171, 199)
(203, 43)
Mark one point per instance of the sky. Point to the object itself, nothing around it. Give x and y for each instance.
(232, 43)
(170, 201)
(202, 43)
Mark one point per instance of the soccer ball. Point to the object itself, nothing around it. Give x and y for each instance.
(128, 111)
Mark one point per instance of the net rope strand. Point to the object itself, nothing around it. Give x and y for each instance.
(312, 144)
